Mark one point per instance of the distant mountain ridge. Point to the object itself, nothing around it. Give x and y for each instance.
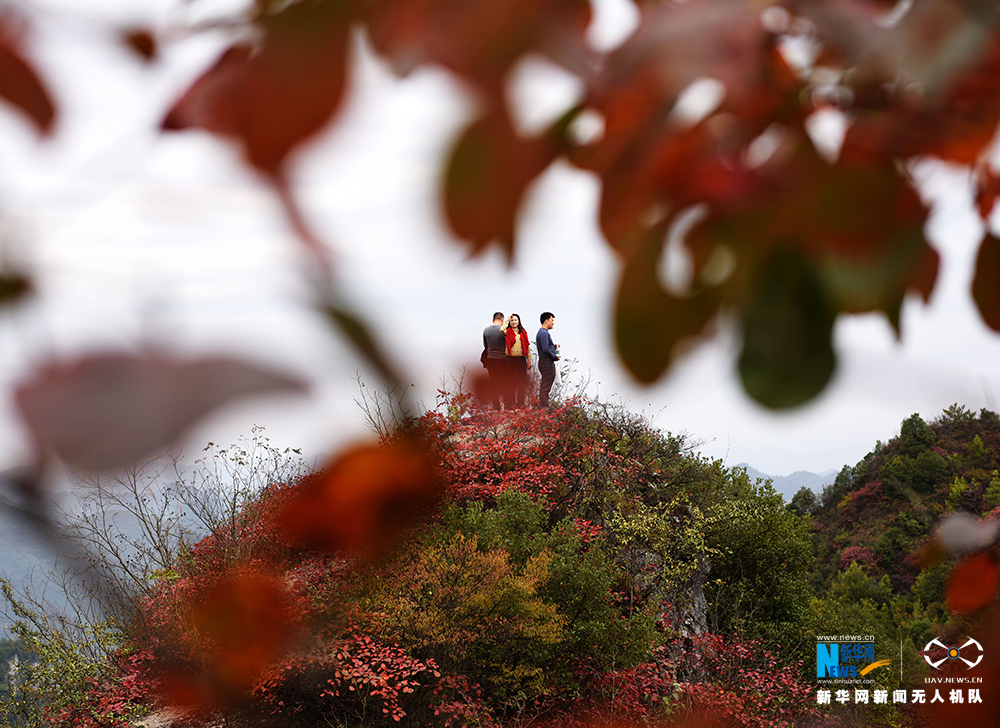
(789, 485)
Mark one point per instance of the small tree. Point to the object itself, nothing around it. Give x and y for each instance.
(68, 658)
(915, 436)
(804, 502)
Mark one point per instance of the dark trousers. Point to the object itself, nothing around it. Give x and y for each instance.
(547, 368)
(517, 370)
(498, 371)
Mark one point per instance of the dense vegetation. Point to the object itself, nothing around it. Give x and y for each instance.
(573, 566)
(873, 526)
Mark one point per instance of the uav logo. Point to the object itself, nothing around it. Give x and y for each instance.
(935, 653)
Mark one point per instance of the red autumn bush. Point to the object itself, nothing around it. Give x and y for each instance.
(549, 585)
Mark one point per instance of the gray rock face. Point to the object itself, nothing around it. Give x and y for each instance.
(687, 611)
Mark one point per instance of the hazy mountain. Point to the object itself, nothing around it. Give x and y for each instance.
(26, 555)
(788, 485)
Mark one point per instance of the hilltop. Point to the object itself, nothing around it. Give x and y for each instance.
(567, 566)
(572, 563)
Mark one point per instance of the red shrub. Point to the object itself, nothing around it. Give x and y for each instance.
(745, 685)
(865, 557)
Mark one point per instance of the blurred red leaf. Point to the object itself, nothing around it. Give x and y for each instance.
(481, 388)
(479, 39)
(961, 533)
(807, 242)
(246, 622)
(238, 626)
(274, 96)
(787, 356)
(973, 583)
(860, 223)
(681, 168)
(931, 554)
(956, 124)
(142, 42)
(851, 209)
(486, 178)
(20, 84)
(987, 189)
(651, 322)
(985, 629)
(677, 44)
(189, 691)
(986, 283)
(649, 157)
(106, 411)
(363, 500)
(13, 287)
(926, 45)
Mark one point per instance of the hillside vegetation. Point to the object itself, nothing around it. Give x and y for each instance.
(563, 568)
(873, 526)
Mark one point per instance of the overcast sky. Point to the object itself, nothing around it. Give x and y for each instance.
(140, 239)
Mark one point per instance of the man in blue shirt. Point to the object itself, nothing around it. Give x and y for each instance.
(547, 357)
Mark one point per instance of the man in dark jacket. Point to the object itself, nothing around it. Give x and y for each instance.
(495, 348)
(547, 357)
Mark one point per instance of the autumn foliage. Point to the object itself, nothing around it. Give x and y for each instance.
(791, 228)
(906, 542)
(544, 577)
(786, 228)
(564, 568)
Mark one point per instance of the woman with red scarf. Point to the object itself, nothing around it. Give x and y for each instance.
(518, 358)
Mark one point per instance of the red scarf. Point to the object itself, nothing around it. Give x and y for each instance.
(510, 340)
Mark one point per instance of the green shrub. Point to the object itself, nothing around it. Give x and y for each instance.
(67, 661)
(929, 585)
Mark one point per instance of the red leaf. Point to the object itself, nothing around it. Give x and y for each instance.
(650, 322)
(855, 226)
(487, 175)
(479, 385)
(986, 284)
(233, 629)
(13, 287)
(142, 42)
(246, 623)
(363, 500)
(481, 39)
(956, 124)
(962, 533)
(273, 97)
(987, 189)
(973, 583)
(20, 84)
(217, 101)
(860, 223)
(106, 411)
(650, 158)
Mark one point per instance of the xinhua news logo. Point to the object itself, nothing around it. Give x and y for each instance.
(846, 658)
(936, 653)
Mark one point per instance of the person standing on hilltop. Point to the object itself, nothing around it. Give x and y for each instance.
(547, 357)
(495, 359)
(518, 357)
